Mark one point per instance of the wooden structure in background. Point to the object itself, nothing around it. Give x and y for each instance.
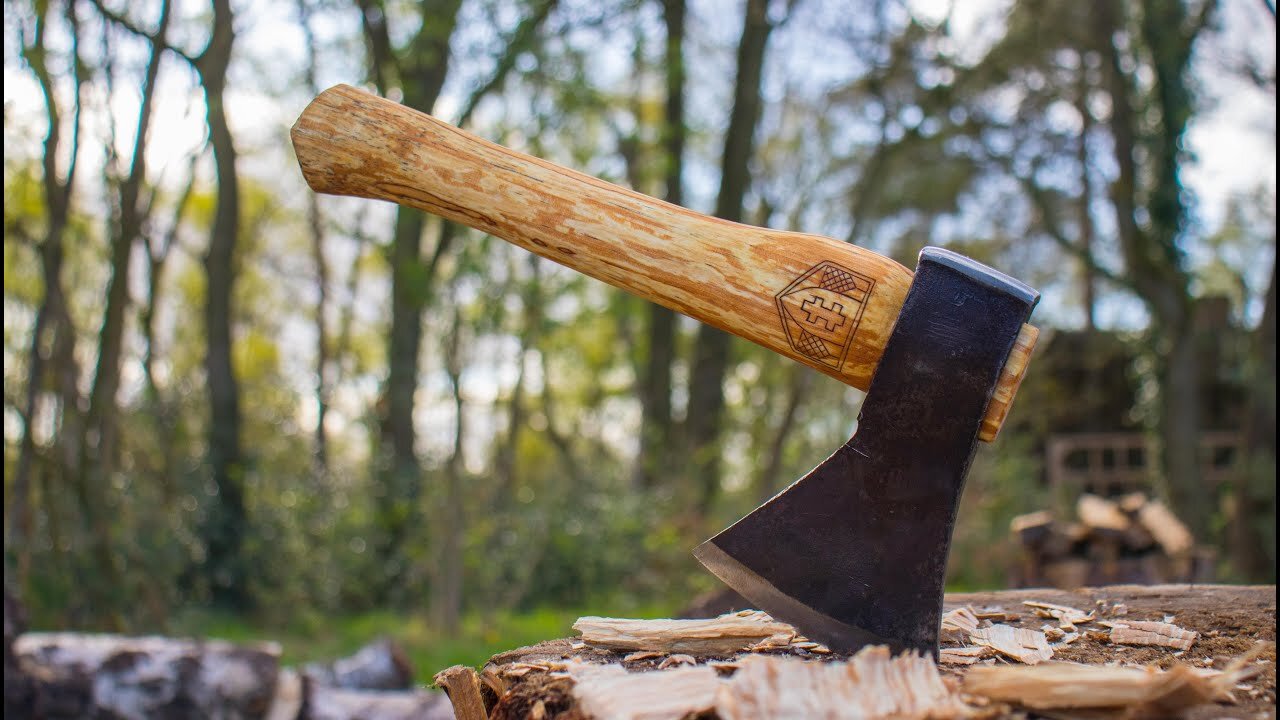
(1112, 464)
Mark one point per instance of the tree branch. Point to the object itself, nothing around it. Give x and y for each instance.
(516, 45)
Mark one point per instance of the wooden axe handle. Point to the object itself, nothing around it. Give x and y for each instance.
(827, 304)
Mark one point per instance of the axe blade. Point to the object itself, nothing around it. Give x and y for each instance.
(855, 552)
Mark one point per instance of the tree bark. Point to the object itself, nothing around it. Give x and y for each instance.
(711, 351)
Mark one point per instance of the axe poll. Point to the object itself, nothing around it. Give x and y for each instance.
(854, 552)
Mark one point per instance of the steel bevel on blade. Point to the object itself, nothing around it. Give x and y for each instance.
(855, 552)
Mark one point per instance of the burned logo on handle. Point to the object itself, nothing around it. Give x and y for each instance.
(820, 311)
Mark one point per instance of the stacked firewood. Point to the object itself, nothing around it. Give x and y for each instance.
(1130, 539)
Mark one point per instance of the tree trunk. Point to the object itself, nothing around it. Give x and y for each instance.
(1253, 527)
(225, 521)
(446, 590)
(711, 352)
(315, 227)
(656, 426)
(421, 69)
(1152, 254)
(52, 348)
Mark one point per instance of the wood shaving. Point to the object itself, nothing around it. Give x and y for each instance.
(1025, 646)
(676, 661)
(869, 685)
(609, 691)
(1066, 616)
(957, 624)
(964, 655)
(1147, 632)
(642, 655)
(724, 635)
(1142, 692)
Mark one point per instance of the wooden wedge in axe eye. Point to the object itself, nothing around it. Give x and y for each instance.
(855, 551)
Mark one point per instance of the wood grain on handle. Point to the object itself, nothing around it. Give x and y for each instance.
(827, 304)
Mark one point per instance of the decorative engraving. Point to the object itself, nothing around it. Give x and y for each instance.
(821, 310)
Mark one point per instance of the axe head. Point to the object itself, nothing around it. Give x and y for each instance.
(855, 552)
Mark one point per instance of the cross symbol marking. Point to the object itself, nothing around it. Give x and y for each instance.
(829, 317)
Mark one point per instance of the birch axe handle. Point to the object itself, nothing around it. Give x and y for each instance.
(827, 304)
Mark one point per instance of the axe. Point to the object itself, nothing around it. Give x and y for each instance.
(854, 552)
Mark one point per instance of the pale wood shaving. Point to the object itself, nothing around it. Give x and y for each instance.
(993, 614)
(1148, 632)
(1025, 646)
(1053, 634)
(1066, 616)
(957, 624)
(676, 661)
(869, 685)
(964, 655)
(715, 636)
(609, 691)
(1142, 692)
(642, 655)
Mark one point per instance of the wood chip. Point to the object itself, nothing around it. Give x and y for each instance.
(1053, 634)
(964, 655)
(1025, 646)
(1147, 632)
(1066, 616)
(1143, 692)
(642, 655)
(992, 614)
(676, 661)
(871, 684)
(462, 685)
(715, 636)
(609, 691)
(957, 624)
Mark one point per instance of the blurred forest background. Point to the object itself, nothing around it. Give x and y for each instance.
(234, 407)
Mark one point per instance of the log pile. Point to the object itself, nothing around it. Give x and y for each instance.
(69, 675)
(1131, 539)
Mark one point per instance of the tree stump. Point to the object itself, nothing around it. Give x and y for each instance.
(652, 669)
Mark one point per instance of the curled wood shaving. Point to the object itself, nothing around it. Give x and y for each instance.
(1147, 632)
(1066, 616)
(1025, 646)
(957, 624)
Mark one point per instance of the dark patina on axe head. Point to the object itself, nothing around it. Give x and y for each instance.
(855, 552)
